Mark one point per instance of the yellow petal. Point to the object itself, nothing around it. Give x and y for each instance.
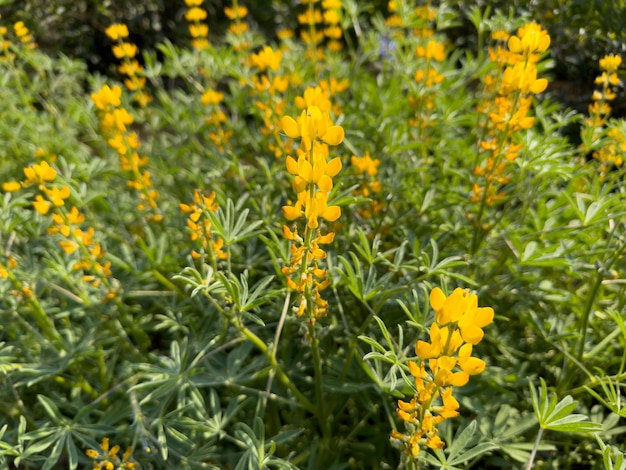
(437, 298)
(484, 316)
(415, 369)
(333, 167)
(291, 213)
(458, 379)
(539, 85)
(288, 234)
(326, 239)
(332, 213)
(292, 165)
(424, 350)
(290, 127)
(473, 365)
(333, 135)
(515, 44)
(325, 183)
(472, 334)
(299, 184)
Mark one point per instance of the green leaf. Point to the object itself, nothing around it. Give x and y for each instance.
(556, 416)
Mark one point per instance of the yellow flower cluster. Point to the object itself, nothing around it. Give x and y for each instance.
(613, 145)
(130, 67)
(426, 14)
(312, 183)
(321, 95)
(114, 122)
(238, 27)
(198, 29)
(394, 20)
(11, 264)
(51, 201)
(23, 34)
(107, 458)
(430, 54)
(367, 167)
(608, 79)
(509, 92)
(309, 33)
(270, 85)
(219, 136)
(332, 24)
(445, 362)
(199, 226)
(613, 150)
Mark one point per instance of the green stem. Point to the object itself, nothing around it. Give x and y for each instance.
(595, 288)
(534, 451)
(587, 312)
(317, 365)
(280, 374)
(279, 329)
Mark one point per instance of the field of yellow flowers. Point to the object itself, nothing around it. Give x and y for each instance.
(353, 245)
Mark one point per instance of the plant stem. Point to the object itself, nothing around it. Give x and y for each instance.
(279, 329)
(284, 379)
(586, 313)
(534, 452)
(317, 364)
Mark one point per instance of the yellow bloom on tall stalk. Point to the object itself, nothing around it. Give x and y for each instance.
(458, 326)
(367, 167)
(24, 35)
(509, 91)
(312, 182)
(200, 227)
(114, 122)
(198, 30)
(117, 31)
(606, 142)
(130, 67)
(238, 27)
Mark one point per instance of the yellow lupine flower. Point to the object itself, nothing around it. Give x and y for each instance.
(530, 39)
(39, 173)
(232, 13)
(610, 63)
(41, 205)
(211, 97)
(107, 97)
(125, 49)
(267, 58)
(195, 14)
(117, 31)
(312, 125)
(11, 186)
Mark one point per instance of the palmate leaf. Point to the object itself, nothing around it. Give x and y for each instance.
(557, 416)
(230, 227)
(463, 448)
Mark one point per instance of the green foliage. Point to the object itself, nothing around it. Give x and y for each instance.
(164, 322)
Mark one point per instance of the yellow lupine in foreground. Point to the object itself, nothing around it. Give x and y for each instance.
(312, 182)
(445, 362)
